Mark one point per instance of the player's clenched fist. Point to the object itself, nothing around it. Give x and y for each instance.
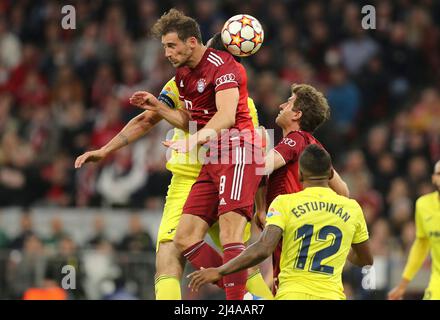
(90, 156)
(199, 278)
(144, 100)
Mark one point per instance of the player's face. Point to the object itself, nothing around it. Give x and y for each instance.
(177, 51)
(436, 176)
(287, 113)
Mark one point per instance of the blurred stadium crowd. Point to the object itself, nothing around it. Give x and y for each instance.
(63, 92)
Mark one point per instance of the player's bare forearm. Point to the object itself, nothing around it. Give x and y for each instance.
(134, 129)
(212, 129)
(226, 102)
(176, 117)
(338, 185)
(255, 253)
(260, 206)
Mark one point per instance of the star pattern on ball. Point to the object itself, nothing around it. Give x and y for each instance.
(245, 21)
(257, 38)
(236, 39)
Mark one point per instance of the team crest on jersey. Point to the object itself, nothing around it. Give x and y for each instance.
(201, 84)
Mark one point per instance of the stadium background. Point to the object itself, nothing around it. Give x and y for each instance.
(66, 91)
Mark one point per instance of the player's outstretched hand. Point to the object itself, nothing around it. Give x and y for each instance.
(144, 100)
(397, 293)
(89, 156)
(183, 145)
(203, 276)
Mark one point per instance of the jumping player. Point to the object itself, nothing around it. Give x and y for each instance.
(211, 86)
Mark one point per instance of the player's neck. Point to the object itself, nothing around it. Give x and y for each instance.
(315, 183)
(197, 55)
(293, 127)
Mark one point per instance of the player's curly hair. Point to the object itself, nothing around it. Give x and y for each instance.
(175, 21)
(313, 105)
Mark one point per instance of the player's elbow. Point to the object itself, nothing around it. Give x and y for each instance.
(367, 260)
(229, 120)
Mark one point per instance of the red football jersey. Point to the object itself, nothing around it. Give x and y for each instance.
(216, 71)
(286, 179)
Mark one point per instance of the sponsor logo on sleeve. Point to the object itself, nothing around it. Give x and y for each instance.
(226, 78)
(289, 142)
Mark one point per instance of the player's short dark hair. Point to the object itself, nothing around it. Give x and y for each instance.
(313, 105)
(175, 21)
(315, 161)
(217, 44)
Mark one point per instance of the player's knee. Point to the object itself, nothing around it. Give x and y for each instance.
(169, 261)
(182, 242)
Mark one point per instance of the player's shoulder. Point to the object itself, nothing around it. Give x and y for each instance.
(283, 199)
(427, 199)
(294, 139)
(218, 58)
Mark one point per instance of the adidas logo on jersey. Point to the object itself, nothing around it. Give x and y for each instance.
(181, 83)
(222, 202)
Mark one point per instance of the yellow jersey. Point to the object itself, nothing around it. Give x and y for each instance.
(188, 164)
(428, 226)
(319, 227)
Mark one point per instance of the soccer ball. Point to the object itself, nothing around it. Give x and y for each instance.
(242, 35)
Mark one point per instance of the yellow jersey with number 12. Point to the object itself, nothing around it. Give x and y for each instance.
(188, 164)
(319, 227)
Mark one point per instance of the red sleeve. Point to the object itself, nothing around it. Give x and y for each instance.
(227, 74)
(290, 147)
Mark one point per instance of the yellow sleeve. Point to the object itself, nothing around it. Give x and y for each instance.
(417, 256)
(275, 214)
(420, 230)
(419, 249)
(253, 112)
(170, 94)
(361, 233)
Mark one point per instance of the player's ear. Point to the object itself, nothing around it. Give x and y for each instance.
(192, 41)
(297, 115)
(332, 174)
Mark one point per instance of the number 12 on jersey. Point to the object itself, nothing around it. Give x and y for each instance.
(305, 233)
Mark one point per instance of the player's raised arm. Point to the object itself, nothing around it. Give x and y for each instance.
(224, 118)
(273, 161)
(176, 117)
(338, 185)
(253, 255)
(134, 129)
